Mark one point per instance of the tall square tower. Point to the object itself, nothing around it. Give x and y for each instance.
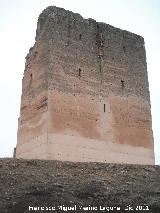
(85, 93)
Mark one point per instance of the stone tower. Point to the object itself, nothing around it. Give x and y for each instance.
(85, 93)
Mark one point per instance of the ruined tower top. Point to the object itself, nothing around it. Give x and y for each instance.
(60, 14)
(85, 93)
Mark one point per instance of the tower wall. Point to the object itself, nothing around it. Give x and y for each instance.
(85, 93)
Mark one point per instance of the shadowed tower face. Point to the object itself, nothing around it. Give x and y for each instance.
(85, 93)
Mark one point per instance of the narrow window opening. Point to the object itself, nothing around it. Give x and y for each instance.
(79, 72)
(124, 48)
(80, 36)
(31, 77)
(104, 108)
(122, 83)
(35, 54)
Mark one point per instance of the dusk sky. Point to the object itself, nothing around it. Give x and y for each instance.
(18, 20)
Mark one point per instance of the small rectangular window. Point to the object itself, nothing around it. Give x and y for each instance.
(104, 108)
(122, 83)
(79, 72)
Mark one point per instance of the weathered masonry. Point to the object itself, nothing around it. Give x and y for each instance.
(85, 93)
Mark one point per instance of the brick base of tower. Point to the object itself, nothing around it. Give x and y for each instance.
(76, 149)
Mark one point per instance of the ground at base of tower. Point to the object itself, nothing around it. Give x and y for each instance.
(38, 185)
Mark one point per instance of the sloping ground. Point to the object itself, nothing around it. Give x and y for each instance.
(28, 184)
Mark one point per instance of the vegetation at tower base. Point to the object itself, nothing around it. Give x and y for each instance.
(85, 93)
(40, 183)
